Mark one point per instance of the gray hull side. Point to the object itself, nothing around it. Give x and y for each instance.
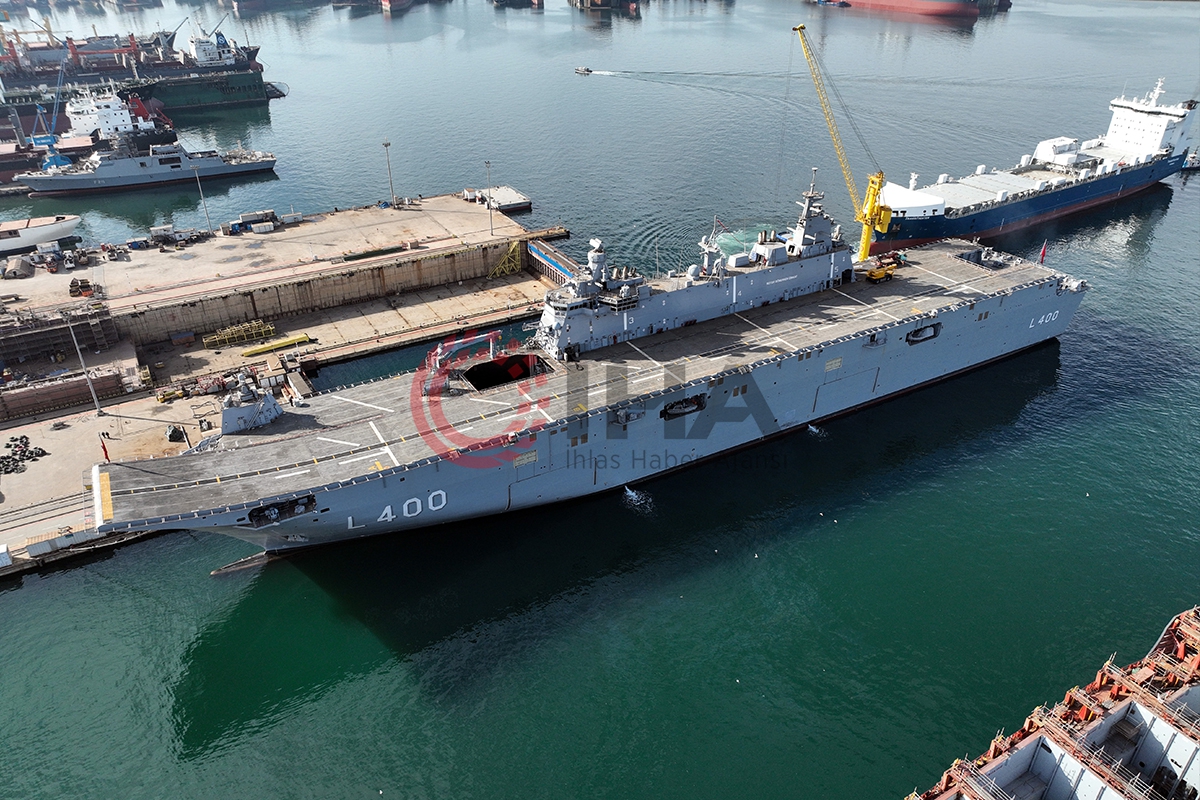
(786, 392)
(129, 175)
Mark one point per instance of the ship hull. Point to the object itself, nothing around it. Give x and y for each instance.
(39, 230)
(88, 183)
(598, 450)
(935, 8)
(205, 91)
(1020, 213)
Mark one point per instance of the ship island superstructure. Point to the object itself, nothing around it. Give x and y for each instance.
(1145, 143)
(1132, 733)
(698, 367)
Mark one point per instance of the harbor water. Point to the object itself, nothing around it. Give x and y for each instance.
(836, 614)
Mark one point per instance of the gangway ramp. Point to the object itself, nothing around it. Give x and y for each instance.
(548, 260)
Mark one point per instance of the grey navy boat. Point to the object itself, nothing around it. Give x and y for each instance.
(122, 169)
(625, 379)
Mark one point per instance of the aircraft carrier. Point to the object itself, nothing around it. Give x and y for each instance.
(626, 378)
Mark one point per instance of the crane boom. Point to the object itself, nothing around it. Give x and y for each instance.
(869, 212)
(819, 83)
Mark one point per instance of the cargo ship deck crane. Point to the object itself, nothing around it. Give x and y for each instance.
(869, 212)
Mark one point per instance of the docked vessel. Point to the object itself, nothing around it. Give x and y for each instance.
(937, 8)
(123, 168)
(211, 70)
(1145, 143)
(1133, 733)
(25, 234)
(107, 119)
(626, 378)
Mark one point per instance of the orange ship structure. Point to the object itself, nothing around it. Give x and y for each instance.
(1132, 733)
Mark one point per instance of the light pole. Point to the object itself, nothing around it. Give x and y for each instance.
(204, 203)
(488, 166)
(387, 152)
(86, 376)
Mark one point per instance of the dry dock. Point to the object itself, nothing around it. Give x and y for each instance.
(351, 280)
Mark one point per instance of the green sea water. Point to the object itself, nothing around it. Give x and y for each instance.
(836, 614)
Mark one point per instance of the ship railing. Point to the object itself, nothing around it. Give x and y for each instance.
(1094, 759)
(1189, 624)
(974, 783)
(1178, 716)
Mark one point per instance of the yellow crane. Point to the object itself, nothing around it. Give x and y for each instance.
(869, 212)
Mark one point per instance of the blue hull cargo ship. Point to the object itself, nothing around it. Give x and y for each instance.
(1145, 143)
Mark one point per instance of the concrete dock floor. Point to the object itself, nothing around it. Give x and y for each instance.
(230, 263)
(49, 495)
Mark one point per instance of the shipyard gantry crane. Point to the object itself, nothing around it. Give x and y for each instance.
(869, 212)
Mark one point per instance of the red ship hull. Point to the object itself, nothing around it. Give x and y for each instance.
(938, 8)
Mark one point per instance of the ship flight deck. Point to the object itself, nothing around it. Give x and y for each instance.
(387, 427)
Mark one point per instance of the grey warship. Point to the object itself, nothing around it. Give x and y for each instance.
(125, 167)
(626, 378)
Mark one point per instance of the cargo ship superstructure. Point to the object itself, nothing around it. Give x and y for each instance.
(630, 378)
(1133, 733)
(210, 71)
(1145, 143)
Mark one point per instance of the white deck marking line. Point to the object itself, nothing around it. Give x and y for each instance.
(655, 363)
(868, 305)
(292, 474)
(785, 342)
(339, 441)
(533, 403)
(371, 454)
(383, 441)
(647, 378)
(948, 285)
(494, 402)
(361, 403)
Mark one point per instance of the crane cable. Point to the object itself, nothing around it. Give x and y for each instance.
(846, 115)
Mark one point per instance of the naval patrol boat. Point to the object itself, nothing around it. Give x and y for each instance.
(626, 378)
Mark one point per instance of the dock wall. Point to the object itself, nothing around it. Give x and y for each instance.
(64, 393)
(341, 284)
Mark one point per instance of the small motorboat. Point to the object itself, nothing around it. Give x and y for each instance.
(583, 71)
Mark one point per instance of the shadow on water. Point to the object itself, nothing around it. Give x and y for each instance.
(453, 602)
(1140, 214)
(230, 122)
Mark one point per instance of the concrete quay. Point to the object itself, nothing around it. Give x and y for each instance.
(383, 278)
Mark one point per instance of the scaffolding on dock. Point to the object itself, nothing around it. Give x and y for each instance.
(237, 334)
